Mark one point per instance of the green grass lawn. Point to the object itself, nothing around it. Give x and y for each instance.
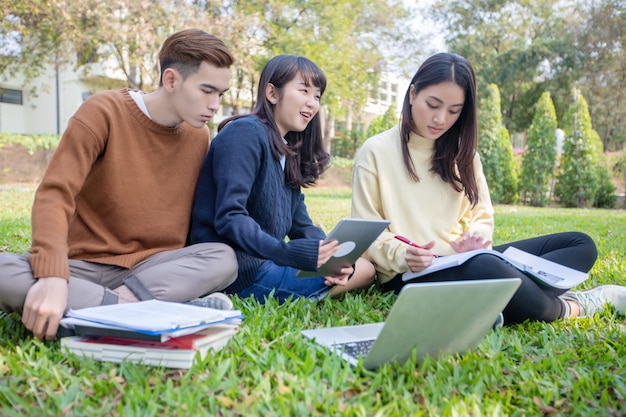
(564, 368)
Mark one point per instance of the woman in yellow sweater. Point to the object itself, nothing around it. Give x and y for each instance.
(426, 177)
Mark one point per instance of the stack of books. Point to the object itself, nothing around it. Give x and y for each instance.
(153, 332)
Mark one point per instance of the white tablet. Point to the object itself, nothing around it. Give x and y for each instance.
(354, 237)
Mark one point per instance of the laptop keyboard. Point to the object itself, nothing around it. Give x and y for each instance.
(356, 349)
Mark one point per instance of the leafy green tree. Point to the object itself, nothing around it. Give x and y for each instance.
(618, 167)
(346, 143)
(603, 56)
(522, 46)
(38, 30)
(385, 122)
(530, 46)
(85, 34)
(605, 195)
(510, 182)
(496, 152)
(348, 39)
(583, 180)
(540, 156)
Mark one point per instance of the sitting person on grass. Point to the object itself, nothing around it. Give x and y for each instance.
(249, 192)
(425, 176)
(111, 216)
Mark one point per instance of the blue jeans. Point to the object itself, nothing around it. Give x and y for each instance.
(283, 281)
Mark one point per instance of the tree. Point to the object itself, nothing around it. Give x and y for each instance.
(38, 33)
(540, 154)
(494, 147)
(520, 46)
(601, 39)
(348, 39)
(85, 32)
(347, 143)
(509, 179)
(527, 47)
(605, 195)
(385, 122)
(583, 180)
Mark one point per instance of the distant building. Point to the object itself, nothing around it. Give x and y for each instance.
(389, 92)
(45, 105)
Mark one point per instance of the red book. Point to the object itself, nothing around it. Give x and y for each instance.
(179, 352)
(190, 341)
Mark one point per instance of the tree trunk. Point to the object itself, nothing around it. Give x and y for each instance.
(328, 128)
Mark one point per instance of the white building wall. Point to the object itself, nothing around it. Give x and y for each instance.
(39, 112)
(40, 109)
(45, 108)
(391, 91)
(11, 118)
(43, 113)
(12, 115)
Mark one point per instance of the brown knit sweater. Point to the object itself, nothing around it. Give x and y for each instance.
(118, 189)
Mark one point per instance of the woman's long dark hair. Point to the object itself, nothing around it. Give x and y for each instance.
(306, 158)
(455, 149)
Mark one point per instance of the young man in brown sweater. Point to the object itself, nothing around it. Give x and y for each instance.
(111, 215)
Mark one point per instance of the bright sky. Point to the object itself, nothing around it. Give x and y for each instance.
(427, 26)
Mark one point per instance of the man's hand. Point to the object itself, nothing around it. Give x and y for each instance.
(470, 242)
(44, 306)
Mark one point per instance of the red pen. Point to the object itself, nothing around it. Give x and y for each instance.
(410, 243)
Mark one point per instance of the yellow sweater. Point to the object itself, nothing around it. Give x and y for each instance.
(421, 211)
(118, 189)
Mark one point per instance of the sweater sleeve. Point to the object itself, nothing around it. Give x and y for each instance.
(54, 203)
(236, 158)
(386, 252)
(302, 226)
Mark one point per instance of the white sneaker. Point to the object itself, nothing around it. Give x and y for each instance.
(499, 323)
(594, 300)
(217, 300)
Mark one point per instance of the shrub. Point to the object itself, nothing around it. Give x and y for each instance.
(540, 155)
(31, 142)
(583, 180)
(616, 162)
(385, 122)
(496, 152)
(346, 144)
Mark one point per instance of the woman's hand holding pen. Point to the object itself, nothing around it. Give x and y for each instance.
(419, 257)
(469, 242)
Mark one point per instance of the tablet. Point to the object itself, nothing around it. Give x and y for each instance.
(354, 237)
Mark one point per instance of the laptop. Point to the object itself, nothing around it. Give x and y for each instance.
(354, 237)
(430, 319)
